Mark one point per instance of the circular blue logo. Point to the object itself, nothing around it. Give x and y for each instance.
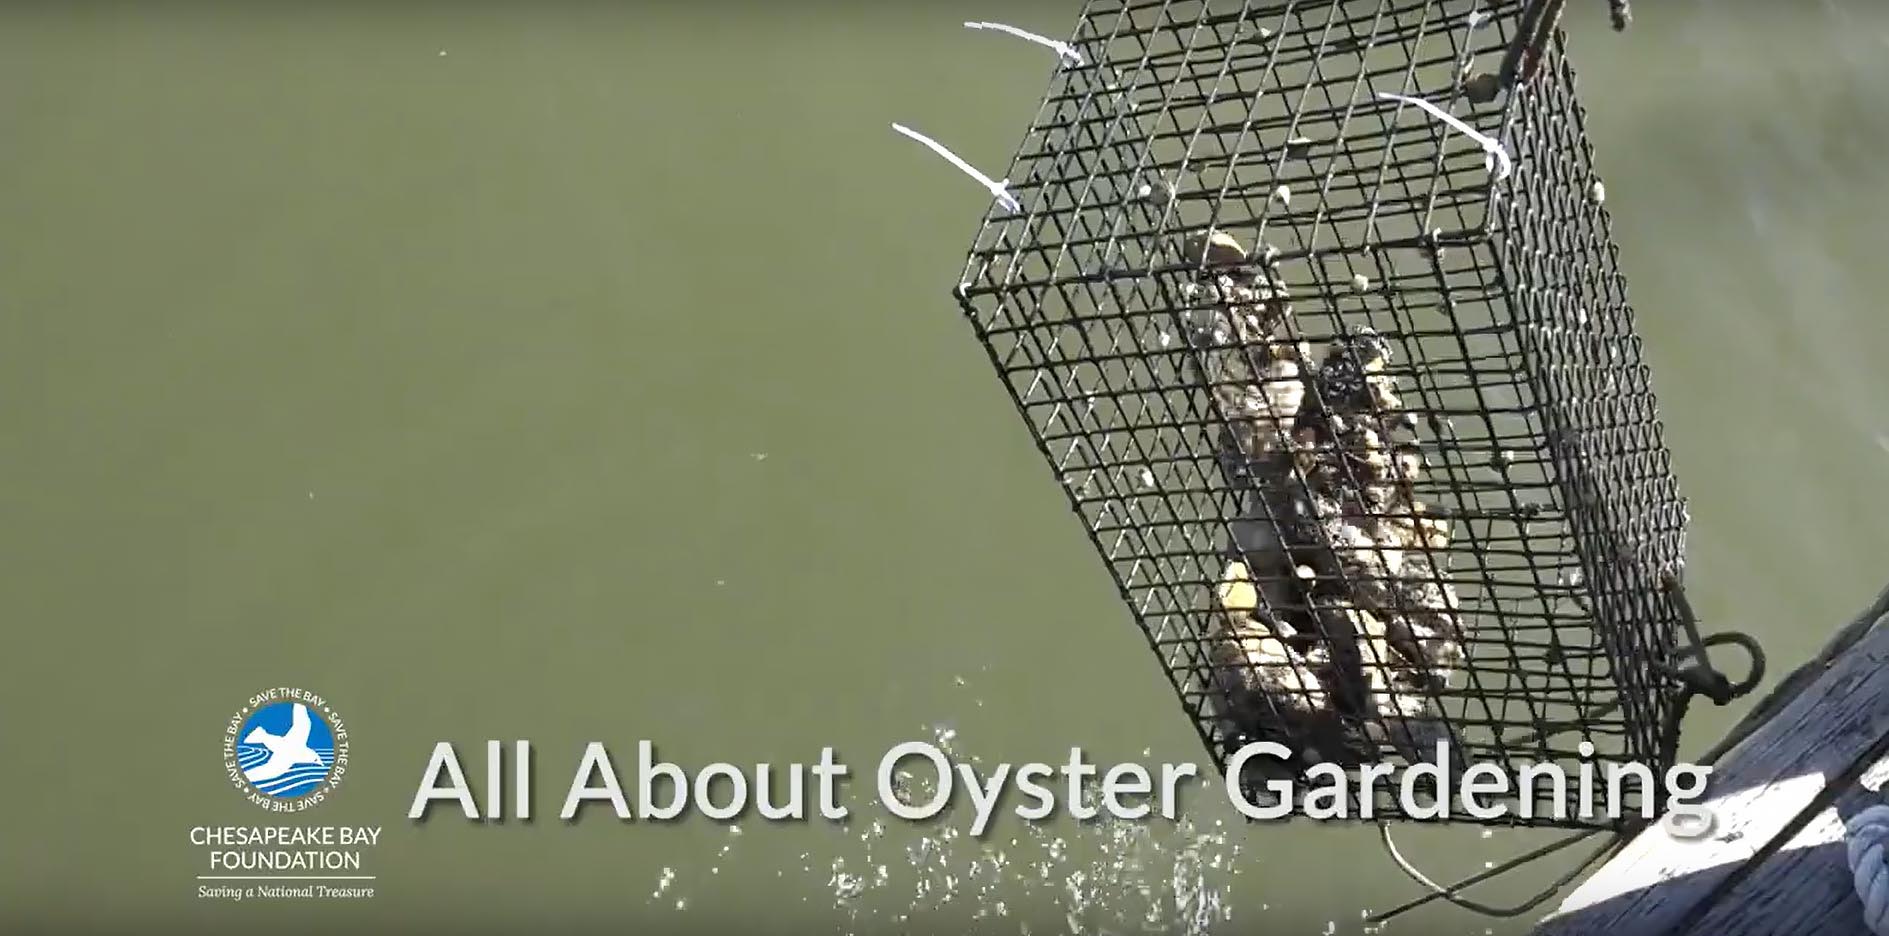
(285, 749)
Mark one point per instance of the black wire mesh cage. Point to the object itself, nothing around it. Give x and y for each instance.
(1349, 400)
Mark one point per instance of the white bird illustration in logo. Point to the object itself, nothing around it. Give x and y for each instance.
(286, 751)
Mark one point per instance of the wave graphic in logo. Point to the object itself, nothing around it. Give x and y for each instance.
(296, 782)
(285, 750)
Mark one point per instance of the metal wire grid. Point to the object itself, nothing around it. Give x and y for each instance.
(1510, 331)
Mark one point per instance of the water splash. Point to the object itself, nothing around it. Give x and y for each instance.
(1104, 876)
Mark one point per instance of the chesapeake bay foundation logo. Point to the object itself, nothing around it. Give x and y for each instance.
(286, 750)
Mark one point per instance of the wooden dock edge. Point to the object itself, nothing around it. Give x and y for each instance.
(1816, 752)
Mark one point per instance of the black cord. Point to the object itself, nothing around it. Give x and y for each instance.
(1696, 678)
(1439, 892)
(1691, 667)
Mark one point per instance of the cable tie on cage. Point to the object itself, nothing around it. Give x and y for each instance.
(1064, 51)
(998, 190)
(1495, 158)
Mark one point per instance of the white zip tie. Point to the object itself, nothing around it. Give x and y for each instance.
(1480, 18)
(1063, 50)
(998, 190)
(1495, 159)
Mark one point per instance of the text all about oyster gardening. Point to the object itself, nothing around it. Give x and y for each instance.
(649, 788)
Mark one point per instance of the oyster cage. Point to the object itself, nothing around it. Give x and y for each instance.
(1352, 408)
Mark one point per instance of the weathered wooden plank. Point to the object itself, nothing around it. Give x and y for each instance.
(1758, 789)
(1805, 889)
